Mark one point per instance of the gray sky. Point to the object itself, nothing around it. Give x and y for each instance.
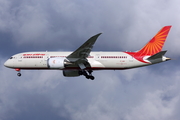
(144, 93)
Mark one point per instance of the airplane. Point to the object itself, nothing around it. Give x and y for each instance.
(83, 62)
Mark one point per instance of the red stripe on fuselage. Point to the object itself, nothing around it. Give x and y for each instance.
(137, 57)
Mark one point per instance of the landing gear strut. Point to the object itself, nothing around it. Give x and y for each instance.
(87, 74)
(19, 72)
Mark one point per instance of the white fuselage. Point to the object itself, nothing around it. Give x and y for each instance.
(97, 60)
(83, 61)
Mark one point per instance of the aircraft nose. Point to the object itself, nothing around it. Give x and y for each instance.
(8, 63)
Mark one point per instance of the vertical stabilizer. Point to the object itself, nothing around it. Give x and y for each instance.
(155, 44)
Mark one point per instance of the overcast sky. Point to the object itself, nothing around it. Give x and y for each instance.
(147, 93)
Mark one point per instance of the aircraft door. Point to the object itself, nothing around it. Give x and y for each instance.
(131, 59)
(45, 59)
(20, 61)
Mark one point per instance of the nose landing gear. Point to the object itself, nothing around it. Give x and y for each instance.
(19, 72)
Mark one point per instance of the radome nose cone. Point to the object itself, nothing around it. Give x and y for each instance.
(5, 64)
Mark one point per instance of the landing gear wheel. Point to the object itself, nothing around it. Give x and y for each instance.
(19, 74)
(92, 77)
(88, 77)
(87, 74)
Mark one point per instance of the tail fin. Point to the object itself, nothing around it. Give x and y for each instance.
(155, 44)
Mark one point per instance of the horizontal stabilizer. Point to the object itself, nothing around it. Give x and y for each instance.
(157, 55)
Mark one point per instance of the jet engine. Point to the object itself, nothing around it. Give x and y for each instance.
(56, 63)
(71, 73)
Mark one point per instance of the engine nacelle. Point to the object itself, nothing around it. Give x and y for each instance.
(71, 73)
(56, 63)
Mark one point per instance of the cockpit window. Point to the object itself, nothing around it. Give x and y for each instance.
(11, 58)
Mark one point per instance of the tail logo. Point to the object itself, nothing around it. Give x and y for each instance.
(153, 46)
(156, 43)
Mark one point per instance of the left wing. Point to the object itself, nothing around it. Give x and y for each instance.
(84, 50)
(79, 57)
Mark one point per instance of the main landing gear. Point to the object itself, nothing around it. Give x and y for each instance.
(87, 74)
(19, 72)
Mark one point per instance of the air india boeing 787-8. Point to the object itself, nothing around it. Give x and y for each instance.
(83, 62)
